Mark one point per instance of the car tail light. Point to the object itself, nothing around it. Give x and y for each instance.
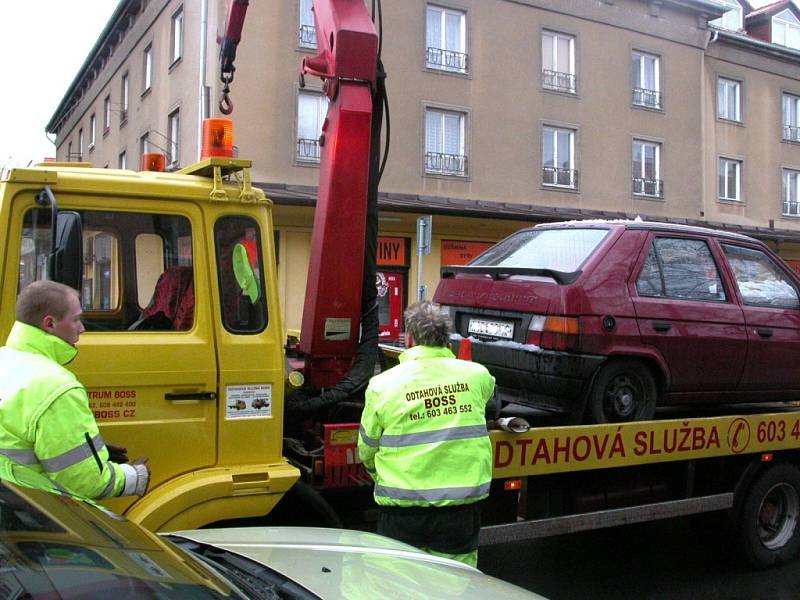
(553, 332)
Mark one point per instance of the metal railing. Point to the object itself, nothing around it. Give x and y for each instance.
(445, 164)
(649, 98)
(643, 186)
(560, 177)
(447, 60)
(307, 150)
(307, 36)
(791, 133)
(556, 80)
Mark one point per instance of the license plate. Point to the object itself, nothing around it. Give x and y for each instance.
(497, 329)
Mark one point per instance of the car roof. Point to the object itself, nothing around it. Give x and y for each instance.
(647, 225)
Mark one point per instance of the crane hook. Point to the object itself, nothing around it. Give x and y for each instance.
(226, 104)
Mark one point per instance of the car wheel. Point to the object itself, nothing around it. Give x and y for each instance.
(623, 390)
(766, 527)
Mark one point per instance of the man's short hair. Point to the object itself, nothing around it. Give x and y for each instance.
(428, 325)
(42, 298)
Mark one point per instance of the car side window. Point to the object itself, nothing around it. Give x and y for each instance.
(761, 281)
(680, 268)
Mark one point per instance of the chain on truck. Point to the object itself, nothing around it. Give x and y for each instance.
(184, 358)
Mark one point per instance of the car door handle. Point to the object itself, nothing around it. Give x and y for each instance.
(662, 327)
(764, 332)
(191, 396)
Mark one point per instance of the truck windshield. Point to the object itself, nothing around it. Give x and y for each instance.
(556, 249)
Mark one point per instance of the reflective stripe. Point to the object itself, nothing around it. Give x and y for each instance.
(434, 495)
(71, 457)
(371, 442)
(431, 437)
(21, 457)
(110, 487)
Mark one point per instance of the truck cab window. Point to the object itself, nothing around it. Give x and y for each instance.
(241, 278)
(37, 241)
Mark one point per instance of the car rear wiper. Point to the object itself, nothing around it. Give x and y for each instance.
(562, 277)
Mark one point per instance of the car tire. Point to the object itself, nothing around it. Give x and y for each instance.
(767, 529)
(623, 390)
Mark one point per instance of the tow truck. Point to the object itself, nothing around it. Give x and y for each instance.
(184, 358)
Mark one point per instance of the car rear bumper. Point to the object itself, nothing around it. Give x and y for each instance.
(528, 375)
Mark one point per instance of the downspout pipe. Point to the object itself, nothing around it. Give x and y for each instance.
(201, 76)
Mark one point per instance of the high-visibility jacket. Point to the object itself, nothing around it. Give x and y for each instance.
(47, 429)
(423, 434)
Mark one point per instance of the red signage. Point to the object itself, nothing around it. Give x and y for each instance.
(392, 251)
(457, 252)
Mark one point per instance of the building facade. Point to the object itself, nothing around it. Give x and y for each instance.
(504, 113)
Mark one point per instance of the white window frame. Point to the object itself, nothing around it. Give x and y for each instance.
(174, 137)
(122, 160)
(640, 98)
(307, 150)
(558, 153)
(92, 131)
(642, 175)
(791, 193)
(724, 192)
(461, 159)
(176, 36)
(147, 68)
(790, 107)
(552, 78)
(438, 56)
(785, 25)
(732, 18)
(725, 87)
(106, 114)
(306, 31)
(123, 114)
(80, 143)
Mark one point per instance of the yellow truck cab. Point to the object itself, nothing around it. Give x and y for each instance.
(182, 359)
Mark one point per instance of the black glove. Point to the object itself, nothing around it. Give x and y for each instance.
(117, 454)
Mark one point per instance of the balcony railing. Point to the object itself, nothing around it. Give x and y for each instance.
(643, 186)
(307, 36)
(791, 133)
(445, 164)
(307, 150)
(791, 208)
(556, 80)
(648, 98)
(447, 60)
(560, 177)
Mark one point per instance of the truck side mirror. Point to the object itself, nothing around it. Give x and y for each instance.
(66, 261)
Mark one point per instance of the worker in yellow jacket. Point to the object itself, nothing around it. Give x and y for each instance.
(423, 438)
(48, 433)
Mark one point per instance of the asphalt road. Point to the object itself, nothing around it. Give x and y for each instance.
(664, 560)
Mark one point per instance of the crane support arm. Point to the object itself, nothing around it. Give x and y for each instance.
(227, 50)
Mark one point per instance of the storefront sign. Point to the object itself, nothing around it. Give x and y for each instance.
(457, 252)
(392, 251)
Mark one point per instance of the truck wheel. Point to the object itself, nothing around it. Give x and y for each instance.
(623, 390)
(766, 527)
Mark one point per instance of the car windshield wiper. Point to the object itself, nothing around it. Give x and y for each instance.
(257, 580)
(562, 277)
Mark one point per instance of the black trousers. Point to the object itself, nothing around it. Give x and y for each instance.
(450, 529)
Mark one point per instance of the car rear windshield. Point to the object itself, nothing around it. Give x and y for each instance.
(557, 249)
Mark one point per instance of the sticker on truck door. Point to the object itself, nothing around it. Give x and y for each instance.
(248, 401)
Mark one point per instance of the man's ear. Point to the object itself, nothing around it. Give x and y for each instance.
(48, 322)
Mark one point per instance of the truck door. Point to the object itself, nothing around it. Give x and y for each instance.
(147, 356)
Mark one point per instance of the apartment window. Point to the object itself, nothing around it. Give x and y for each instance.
(730, 179)
(446, 39)
(80, 144)
(106, 114)
(558, 157)
(791, 117)
(311, 111)
(647, 169)
(445, 146)
(123, 113)
(144, 143)
(176, 36)
(729, 103)
(791, 192)
(123, 160)
(732, 19)
(786, 30)
(173, 137)
(147, 67)
(558, 62)
(646, 74)
(92, 130)
(69, 152)
(307, 35)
